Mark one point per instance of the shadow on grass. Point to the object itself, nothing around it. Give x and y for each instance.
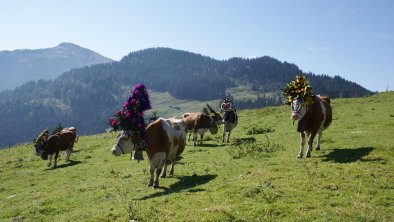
(208, 145)
(211, 145)
(184, 183)
(68, 164)
(348, 155)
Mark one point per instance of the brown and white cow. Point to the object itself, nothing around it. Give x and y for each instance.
(61, 141)
(200, 122)
(166, 141)
(312, 120)
(73, 130)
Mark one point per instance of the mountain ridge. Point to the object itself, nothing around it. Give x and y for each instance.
(86, 97)
(22, 65)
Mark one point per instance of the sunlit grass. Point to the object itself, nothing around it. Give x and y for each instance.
(257, 177)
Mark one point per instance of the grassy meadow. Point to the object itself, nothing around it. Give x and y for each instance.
(256, 177)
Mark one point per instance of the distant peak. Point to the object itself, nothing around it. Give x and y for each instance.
(67, 45)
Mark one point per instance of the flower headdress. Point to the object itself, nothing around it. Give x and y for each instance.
(130, 117)
(301, 88)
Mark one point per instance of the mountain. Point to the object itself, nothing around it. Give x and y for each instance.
(20, 66)
(178, 81)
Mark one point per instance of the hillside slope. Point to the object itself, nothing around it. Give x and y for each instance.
(88, 96)
(350, 179)
(21, 66)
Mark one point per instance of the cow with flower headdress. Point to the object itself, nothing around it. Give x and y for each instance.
(163, 139)
(313, 112)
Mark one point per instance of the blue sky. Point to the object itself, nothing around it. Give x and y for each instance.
(353, 39)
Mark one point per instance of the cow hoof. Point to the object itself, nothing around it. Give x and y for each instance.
(299, 157)
(318, 148)
(308, 155)
(163, 176)
(155, 186)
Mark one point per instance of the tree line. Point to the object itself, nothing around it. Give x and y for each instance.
(87, 96)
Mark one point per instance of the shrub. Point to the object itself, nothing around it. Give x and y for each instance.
(255, 129)
(242, 147)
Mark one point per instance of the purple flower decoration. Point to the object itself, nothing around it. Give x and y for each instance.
(130, 117)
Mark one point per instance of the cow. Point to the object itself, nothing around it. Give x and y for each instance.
(73, 130)
(312, 120)
(200, 122)
(166, 139)
(230, 121)
(61, 141)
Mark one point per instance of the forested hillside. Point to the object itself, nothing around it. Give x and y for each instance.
(87, 97)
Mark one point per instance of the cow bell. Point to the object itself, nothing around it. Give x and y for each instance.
(138, 155)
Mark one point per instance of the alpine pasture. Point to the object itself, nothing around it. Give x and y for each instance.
(256, 177)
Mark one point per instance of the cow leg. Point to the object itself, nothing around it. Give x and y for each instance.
(172, 167)
(156, 182)
(68, 152)
(318, 140)
(310, 144)
(228, 137)
(50, 159)
(194, 138)
(189, 136)
(164, 173)
(302, 143)
(151, 171)
(201, 138)
(55, 162)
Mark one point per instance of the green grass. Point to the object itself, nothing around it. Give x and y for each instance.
(167, 106)
(350, 179)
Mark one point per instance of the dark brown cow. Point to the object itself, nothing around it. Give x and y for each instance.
(166, 141)
(62, 141)
(200, 122)
(313, 119)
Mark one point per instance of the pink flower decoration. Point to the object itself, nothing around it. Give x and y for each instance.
(133, 101)
(126, 104)
(118, 113)
(127, 114)
(140, 125)
(133, 120)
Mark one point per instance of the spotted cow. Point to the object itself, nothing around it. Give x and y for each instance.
(200, 122)
(166, 140)
(313, 119)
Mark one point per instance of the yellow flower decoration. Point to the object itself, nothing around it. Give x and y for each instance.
(300, 87)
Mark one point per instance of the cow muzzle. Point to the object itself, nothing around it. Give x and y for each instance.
(295, 116)
(115, 151)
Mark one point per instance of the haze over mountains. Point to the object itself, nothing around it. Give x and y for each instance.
(20, 66)
(86, 97)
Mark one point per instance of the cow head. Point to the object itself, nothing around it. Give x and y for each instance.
(123, 144)
(213, 129)
(298, 108)
(43, 151)
(38, 147)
